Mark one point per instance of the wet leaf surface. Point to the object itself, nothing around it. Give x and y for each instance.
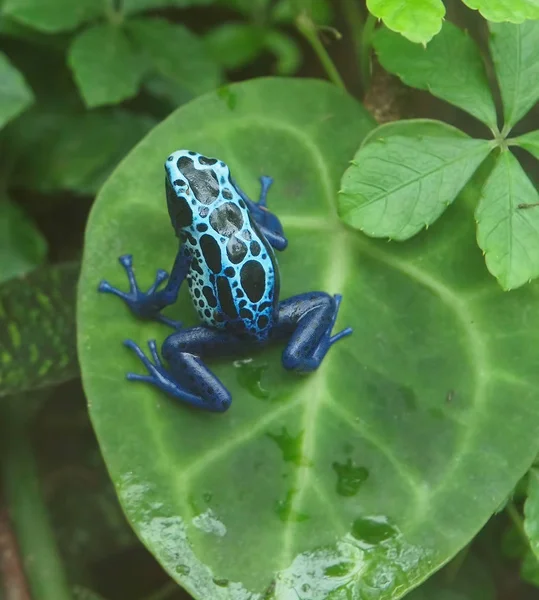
(356, 481)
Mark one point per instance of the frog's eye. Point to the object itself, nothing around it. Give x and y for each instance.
(179, 210)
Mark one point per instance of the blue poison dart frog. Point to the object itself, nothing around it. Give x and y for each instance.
(226, 256)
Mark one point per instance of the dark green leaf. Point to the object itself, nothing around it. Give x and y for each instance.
(74, 151)
(514, 52)
(134, 6)
(531, 511)
(285, 11)
(514, 11)
(51, 16)
(37, 329)
(15, 95)
(22, 247)
(426, 417)
(417, 20)
(508, 223)
(470, 581)
(402, 182)
(235, 44)
(286, 50)
(529, 141)
(450, 67)
(177, 53)
(529, 569)
(105, 66)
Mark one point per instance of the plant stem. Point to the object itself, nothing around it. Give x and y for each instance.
(42, 563)
(355, 24)
(12, 575)
(365, 50)
(517, 521)
(307, 28)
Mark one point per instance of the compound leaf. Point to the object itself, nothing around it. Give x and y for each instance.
(514, 52)
(530, 142)
(105, 65)
(417, 20)
(400, 183)
(450, 68)
(349, 482)
(508, 223)
(514, 11)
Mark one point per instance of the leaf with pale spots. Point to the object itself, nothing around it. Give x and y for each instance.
(37, 329)
(347, 482)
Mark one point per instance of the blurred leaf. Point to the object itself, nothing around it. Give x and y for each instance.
(514, 11)
(508, 223)
(514, 52)
(450, 68)
(529, 570)
(513, 545)
(417, 20)
(165, 89)
(22, 246)
(177, 53)
(531, 511)
(285, 11)
(105, 66)
(235, 44)
(52, 16)
(472, 581)
(530, 142)
(286, 50)
(82, 593)
(37, 329)
(400, 183)
(256, 10)
(133, 6)
(74, 151)
(15, 95)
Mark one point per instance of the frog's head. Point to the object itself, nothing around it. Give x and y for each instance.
(193, 182)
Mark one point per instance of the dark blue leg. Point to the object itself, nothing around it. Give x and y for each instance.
(188, 379)
(309, 318)
(269, 223)
(147, 305)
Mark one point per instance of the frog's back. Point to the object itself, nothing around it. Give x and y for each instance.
(233, 281)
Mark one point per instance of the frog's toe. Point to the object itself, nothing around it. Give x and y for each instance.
(106, 288)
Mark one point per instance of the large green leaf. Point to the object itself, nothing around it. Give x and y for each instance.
(22, 246)
(514, 11)
(51, 16)
(508, 223)
(15, 95)
(134, 6)
(417, 20)
(450, 67)
(105, 66)
(37, 329)
(514, 52)
(400, 183)
(359, 480)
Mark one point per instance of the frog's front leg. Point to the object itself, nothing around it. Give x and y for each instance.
(268, 222)
(309, 320)
(148, 305)
(188, 379)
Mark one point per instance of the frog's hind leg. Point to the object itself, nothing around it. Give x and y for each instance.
(188, 379)
(309, 318)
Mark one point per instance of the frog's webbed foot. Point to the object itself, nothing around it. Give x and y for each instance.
(310, 319)
(145, 305)
(188, 380)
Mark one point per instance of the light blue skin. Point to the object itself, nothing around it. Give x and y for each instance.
(226, 256)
